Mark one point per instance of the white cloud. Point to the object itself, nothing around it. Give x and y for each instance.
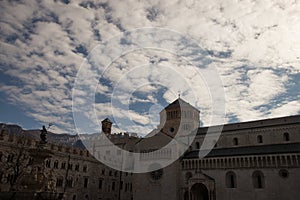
(292, 108)
(259, 42)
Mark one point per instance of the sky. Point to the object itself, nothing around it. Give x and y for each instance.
(135, 57)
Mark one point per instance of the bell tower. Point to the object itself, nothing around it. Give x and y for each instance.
(106, 126)
(179, 116)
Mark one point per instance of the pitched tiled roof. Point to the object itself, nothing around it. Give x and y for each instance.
(179, 103)
(106, 120)
(253, 124)
(251, 150)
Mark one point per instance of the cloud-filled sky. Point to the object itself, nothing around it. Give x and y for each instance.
(254, 45)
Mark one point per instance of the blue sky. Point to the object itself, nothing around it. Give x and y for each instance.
(254, 45)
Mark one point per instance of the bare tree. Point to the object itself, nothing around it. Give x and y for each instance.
(15, 163)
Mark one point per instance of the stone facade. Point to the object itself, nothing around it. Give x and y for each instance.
(250, 160)
(67, 172)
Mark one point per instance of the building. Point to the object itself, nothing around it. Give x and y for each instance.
(66, 170)
(250, 160)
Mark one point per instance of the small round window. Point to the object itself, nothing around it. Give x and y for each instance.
(283, 173)
(172, 129)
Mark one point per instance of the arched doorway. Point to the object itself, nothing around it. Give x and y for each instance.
(199, 192)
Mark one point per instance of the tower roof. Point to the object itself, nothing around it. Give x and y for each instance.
(179, 103)
(107, 120)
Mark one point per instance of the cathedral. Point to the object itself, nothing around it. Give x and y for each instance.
(248, 160)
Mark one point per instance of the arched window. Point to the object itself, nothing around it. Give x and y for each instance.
(48, 162)
(70, 166)
(59, 181)
(258, 179)
(100, 184)
(85, 182)
(286, 136)
(63, 165)
(113, 186)
(77, 167)
(259, 139)
(230, 180)
(186, 127)
(55, 165)
(30, 161)
(235, 141)
(10, 157)
(197, 145)
(11, 178)
(69, 182)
